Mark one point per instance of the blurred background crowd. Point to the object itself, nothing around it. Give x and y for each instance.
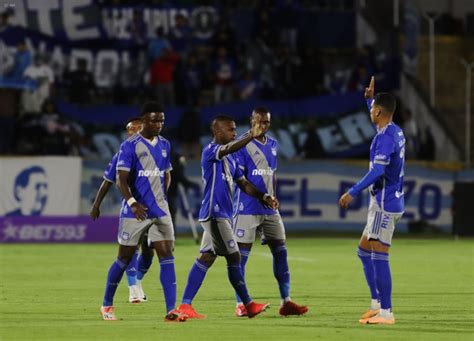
(65, 91)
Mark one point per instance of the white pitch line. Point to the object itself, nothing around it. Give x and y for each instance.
(290, 258)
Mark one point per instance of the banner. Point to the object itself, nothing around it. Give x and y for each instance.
(57, 230)
(40, 186)
(309, 191)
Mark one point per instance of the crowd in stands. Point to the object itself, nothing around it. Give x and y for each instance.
(185, 66)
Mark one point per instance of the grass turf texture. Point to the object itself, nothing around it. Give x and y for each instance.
(55, 291)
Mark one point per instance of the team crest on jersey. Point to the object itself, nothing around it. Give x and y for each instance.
(164, 153)
(125, 236)
(240, 233)
(274, 151)
(231, 243)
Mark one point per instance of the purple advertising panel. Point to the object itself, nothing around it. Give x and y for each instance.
(58, 229)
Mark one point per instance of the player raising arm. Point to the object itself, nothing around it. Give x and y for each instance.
(220, 173)
(385, 182)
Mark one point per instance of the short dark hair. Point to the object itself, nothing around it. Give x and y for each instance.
(261, 110)
(223, 118)
(133, 119)
(151, 107)
(386, 101)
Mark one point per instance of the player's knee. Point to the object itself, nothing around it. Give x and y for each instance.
(233, 258)
(207, 258)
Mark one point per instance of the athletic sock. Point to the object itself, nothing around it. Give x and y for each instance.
(195, 279)
(132, 270)
(383, 278)
(244, 256)
(113, 279)
(144, 264)
(168, 282)
(368, 265)
(234, 273)
(281, 271)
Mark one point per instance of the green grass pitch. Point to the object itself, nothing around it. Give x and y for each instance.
(52, 292)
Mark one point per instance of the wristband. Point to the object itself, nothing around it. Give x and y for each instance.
(131, 201)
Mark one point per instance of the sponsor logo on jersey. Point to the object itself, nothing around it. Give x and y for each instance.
(266, 171)
(148, 172)
(380, 157)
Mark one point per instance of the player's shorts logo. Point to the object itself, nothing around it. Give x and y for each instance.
(241, 206)
(240, 233)
(125, 235)
(231, 243)
(216, 208)
(164, 153)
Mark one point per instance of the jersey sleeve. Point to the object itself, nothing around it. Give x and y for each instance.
(238, 174)
(277, 149)
(125, 158)
(110, 173)
(210, 154)
(168, 166)
(384, 148)
(240, 159)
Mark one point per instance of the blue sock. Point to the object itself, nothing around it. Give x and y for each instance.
(383, 278)
(132, 270)
(195, 279)
(144, 264)
(368, 265)
(113, 280)
(168, 281)
(281, 271)
(244, 256)
(234, 273)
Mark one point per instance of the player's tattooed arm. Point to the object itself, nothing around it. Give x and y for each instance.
(138, 209)
(266, 199)
(103, 190)
(231, 147)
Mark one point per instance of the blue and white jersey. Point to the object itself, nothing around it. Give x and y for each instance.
(110, 173)
(388, 149)
(218, 177)
(147, 161)
(258, 162)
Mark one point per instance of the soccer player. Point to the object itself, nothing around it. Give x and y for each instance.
(258, 162)
(385, 182)
(220, 172)
(143, 177)
(136, 294)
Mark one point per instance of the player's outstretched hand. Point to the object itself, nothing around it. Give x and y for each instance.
(256, 129)
(369, 92)
(271, 202)
(139, 211)
(95, 212)
(345, 200)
